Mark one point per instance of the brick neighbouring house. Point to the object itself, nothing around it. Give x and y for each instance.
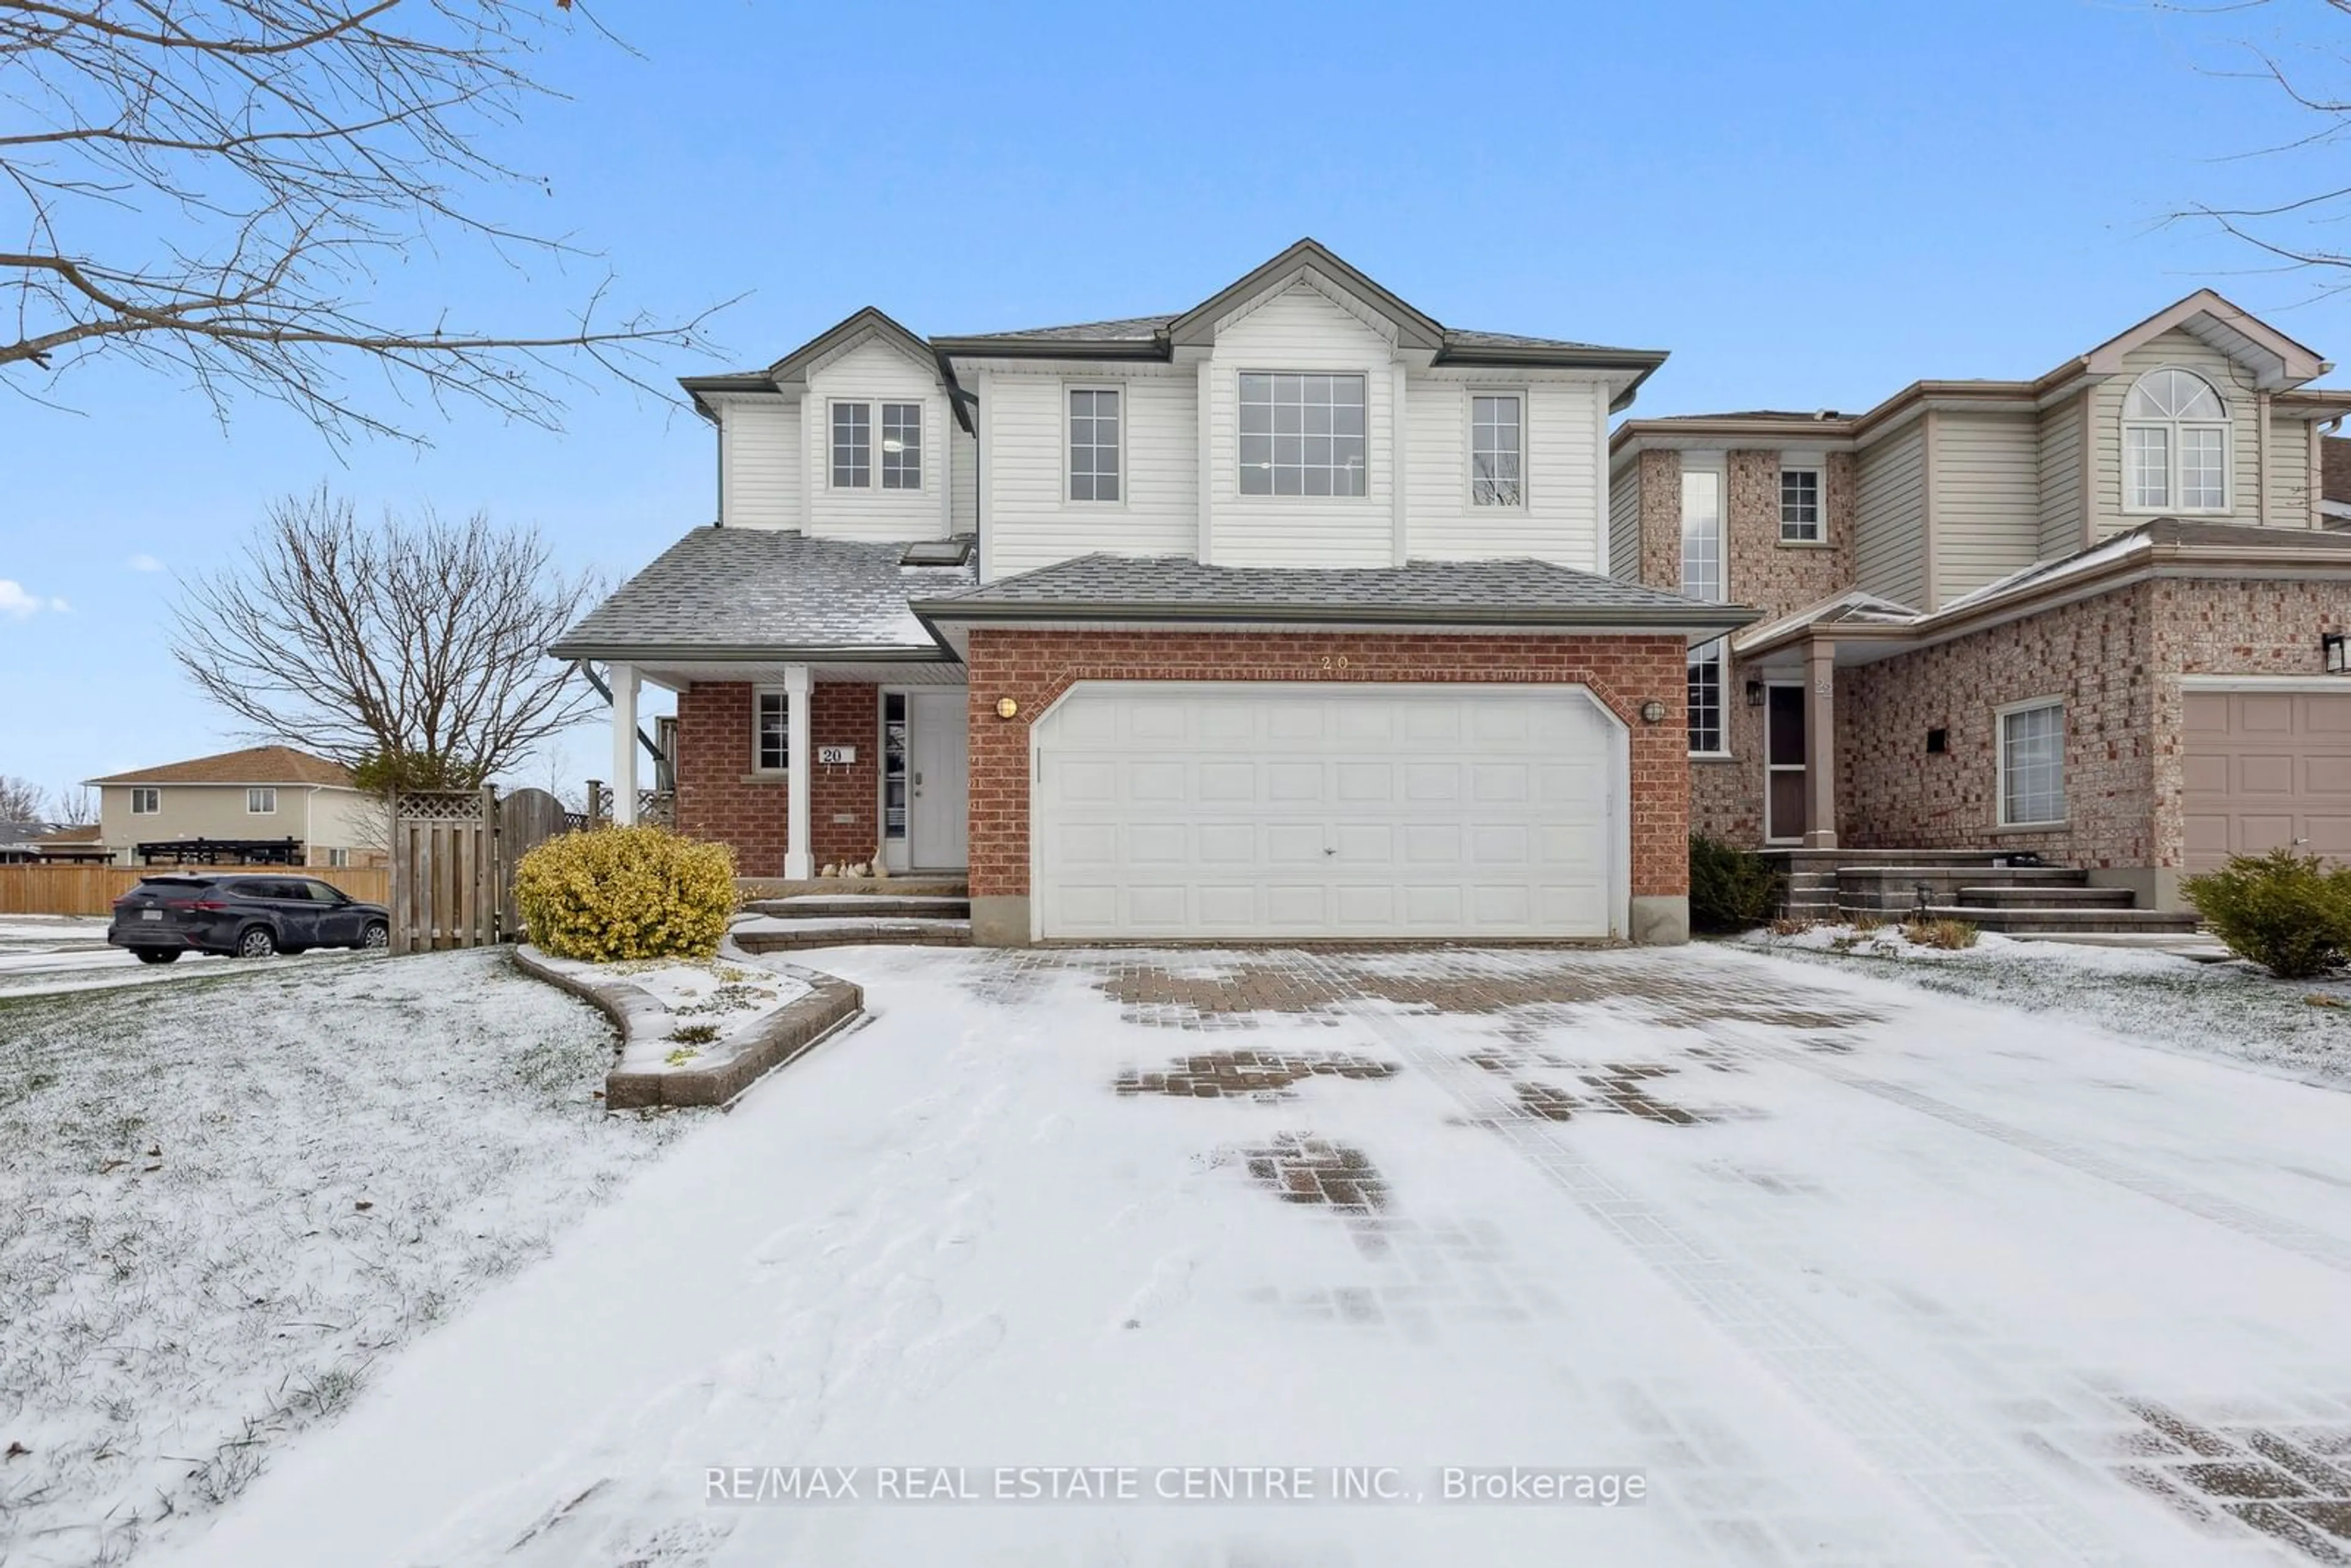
(1284, 617)
(1994, 623)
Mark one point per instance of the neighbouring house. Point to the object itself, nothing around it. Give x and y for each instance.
(266, 805)
(1288, 615)
(2097, 614)
(20, 841)
(72, 845)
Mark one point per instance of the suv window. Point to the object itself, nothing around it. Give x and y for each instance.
(256, 887)
(322, 892)
(173, 889)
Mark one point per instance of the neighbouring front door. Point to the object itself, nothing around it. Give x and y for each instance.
(1784, 794)
(937, 820)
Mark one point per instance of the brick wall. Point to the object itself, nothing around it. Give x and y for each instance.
(1661, 518)
(1035, 667)
(2097, 654)
(719, 797)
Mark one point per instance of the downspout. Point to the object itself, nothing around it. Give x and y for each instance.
(605, 691)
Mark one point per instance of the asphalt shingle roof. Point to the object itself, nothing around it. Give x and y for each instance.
(1127, 330)
(253, 765)
(1525, 590)
(722, 592)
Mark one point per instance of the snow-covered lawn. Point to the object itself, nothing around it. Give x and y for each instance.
(228, 1203)
(1850, 1271)
(682, 1014)
(2230, 1008)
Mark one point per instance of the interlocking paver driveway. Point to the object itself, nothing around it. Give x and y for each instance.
(1853, 1273)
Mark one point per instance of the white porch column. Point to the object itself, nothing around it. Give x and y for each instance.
(796, 863)
(1820, 744)
(624, 745)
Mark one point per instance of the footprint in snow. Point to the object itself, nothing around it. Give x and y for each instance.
(931, 1363)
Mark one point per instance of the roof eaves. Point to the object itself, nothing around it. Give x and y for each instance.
(1693, 616)
(1153, 347)
(1415, 327)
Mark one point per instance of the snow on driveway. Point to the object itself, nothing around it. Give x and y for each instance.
(1845, 1271)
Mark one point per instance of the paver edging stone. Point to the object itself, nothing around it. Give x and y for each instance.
(831, 1003)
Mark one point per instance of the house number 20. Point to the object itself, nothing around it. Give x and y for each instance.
(1339, 662)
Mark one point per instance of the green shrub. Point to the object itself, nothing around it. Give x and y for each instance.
(2287, 912)
(617, 893)
(1731, 889)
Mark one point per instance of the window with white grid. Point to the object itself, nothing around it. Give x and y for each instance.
(1497, 443)
(1707, 736)
(770, 734)
(2033, 765)
(2175, 445)
(1800, 506)
(1301, 435)
(1094, 444)
(1702, 578)
(901, 446)
(853, 446)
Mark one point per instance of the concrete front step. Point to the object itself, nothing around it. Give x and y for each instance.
(865, 905)
(2029, 895)
(771, 936)
(2041, 921)
(1891, 888)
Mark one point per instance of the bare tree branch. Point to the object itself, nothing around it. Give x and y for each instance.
(413, 651)
(284, 150)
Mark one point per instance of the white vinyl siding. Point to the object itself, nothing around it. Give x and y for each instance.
(2060, 464)
(1031, 522)
(2183, 351)
(1987, 498)
(1624, 523)
(760, 441)
(1890, 519)
(2288, 473)
(875, 374)
(1560, 521)
(1300, 330)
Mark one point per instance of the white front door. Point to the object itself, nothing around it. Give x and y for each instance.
(1274, 809)
(936, 821)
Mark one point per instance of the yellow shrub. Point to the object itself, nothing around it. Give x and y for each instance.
(617, 893)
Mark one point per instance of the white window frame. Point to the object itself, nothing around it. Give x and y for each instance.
(338, 859)
(882, 407)
(267, 795)
(150, 793)
(832, 447)
(1470, 440)
(759, 695)
(1714, 654)
(1125, 447)
(2172, 429)
(1999, 717)
(1820, 474)
(1361, 497)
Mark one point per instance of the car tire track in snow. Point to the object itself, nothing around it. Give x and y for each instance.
(2318, 1246)
(2002, 1514)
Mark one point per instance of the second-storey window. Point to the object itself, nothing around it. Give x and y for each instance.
(145, 801)
(2176, 444)
(1301, 435)
(1497, 462)
(1094, 444)
(770, 734)
(1702, 578)
(1800, 506)
(853, 446)
(261, 802)
(901, 446)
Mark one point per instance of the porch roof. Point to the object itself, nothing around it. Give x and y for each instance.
(764, 594)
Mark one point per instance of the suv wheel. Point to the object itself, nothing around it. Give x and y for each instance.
(256, 943)
(377, 937)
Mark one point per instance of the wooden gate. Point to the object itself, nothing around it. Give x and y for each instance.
(453, 860)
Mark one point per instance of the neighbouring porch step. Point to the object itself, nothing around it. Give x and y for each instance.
(867, 906)
(769, 934)
(760, 889)
(2028, 896)
(2023, 922)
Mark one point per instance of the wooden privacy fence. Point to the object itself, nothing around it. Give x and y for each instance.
(453, 860)
(92, 889)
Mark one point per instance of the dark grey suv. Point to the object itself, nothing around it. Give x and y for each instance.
(251, 915)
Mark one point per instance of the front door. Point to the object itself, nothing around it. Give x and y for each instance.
(937, 820)
(1784, 795)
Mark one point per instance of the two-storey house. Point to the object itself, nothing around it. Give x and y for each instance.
(1288, 615)
(2096, 614)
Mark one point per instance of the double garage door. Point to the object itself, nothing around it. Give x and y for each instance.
(2261, 770)
(1184, 809)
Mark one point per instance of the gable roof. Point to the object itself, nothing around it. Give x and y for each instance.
(253, 765)
(1306, 258)
(767, 593)
(86, 834)
(2230, 328)
(791, 371)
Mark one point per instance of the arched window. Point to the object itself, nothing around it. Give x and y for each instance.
(2175, 445)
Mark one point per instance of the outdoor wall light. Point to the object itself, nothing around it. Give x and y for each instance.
(1653, 712)
(1006, 707)
(2330, 646)
(1754, 694)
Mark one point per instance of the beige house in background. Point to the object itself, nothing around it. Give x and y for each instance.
(256, 804)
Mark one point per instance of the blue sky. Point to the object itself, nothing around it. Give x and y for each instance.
(1808, 204)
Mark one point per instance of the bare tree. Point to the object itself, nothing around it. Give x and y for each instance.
(21, 800)
(413, 652)
(76, 806)
(208, 188)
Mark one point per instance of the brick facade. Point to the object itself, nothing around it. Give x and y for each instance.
(1033, 668)
(1661, 518)
(720, 795)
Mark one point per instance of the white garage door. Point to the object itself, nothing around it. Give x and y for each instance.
(1259, 809)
